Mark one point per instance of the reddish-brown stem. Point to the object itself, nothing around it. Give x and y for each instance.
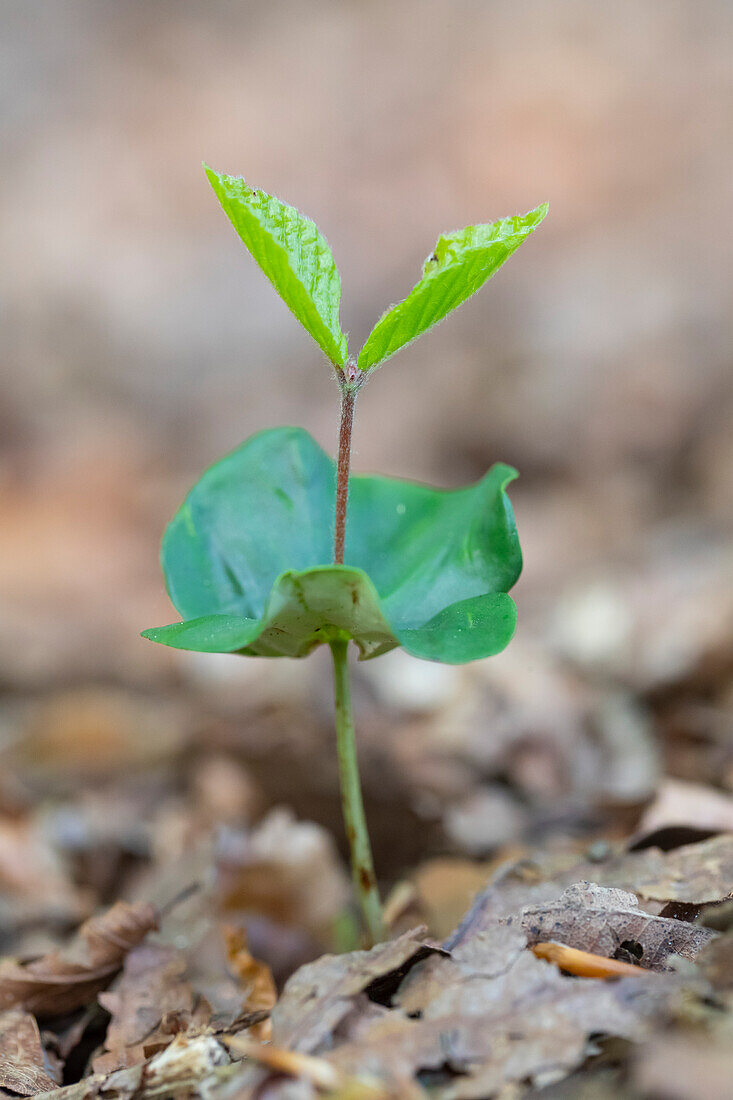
(348, 397)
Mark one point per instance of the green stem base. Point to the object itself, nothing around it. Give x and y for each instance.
(362, 864)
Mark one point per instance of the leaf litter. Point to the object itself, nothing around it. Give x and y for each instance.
(468, 1019)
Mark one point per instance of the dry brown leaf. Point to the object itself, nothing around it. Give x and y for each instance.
(446, 887)
(34, 882)
(609, 922)
(692, 805)
(271, 871)
(693, 874)
(22, 1065)
(255, 978)
(491, 1013)
(684, 1067)
(533, 1024)
(495, 1015)
(716, 962)
(68, 978)
(321, 994)
(150, 1003)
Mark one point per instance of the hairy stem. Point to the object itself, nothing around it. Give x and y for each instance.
(362, 864)
(348, 397)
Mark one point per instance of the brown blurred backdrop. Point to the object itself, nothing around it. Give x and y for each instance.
(139, 342)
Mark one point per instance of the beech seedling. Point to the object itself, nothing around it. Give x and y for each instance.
(260, 560)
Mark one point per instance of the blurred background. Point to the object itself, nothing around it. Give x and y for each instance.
(140, 342)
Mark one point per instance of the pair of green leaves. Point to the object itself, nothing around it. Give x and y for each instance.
(245, 560)
(297, 260)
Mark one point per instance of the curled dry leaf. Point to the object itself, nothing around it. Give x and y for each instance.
(609, 922)
(255, 978)
(70, 977)
(23, 1069)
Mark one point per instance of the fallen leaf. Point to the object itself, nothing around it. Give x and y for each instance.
(695, 873)
(446, 887)
(271, 871)
(609, 922)
(716, 962)
(255, 978)
(682, 1067)
(322, 993)
(22, 1065)
(35, 883)
(691, 805)
(530, 1023)
(68, 978)
(149, 1004)
(487, 1015)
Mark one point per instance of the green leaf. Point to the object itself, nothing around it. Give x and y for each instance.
(304, 609)
(459, 265)
(246, 560)
(294, 256)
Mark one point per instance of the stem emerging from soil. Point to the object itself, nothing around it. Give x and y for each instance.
(348, 397)
(362, 865)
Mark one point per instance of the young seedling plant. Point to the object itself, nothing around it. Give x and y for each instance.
(259, 560)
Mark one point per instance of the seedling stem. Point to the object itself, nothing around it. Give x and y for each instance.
(362, 864)
(349, 388)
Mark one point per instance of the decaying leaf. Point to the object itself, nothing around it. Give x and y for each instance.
(488, 1015)
(23, 1068)
(321, 994)
(255, 978)
(687, 805)
(70, 977)
(609, 922)
(150, 1003)
(716, 963)
(528, 1022)
(271, 870)
(683, 1067)
(693, 874)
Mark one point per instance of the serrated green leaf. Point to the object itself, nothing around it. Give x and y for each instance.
(294, 256)
(458, 266)
(246, 559)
